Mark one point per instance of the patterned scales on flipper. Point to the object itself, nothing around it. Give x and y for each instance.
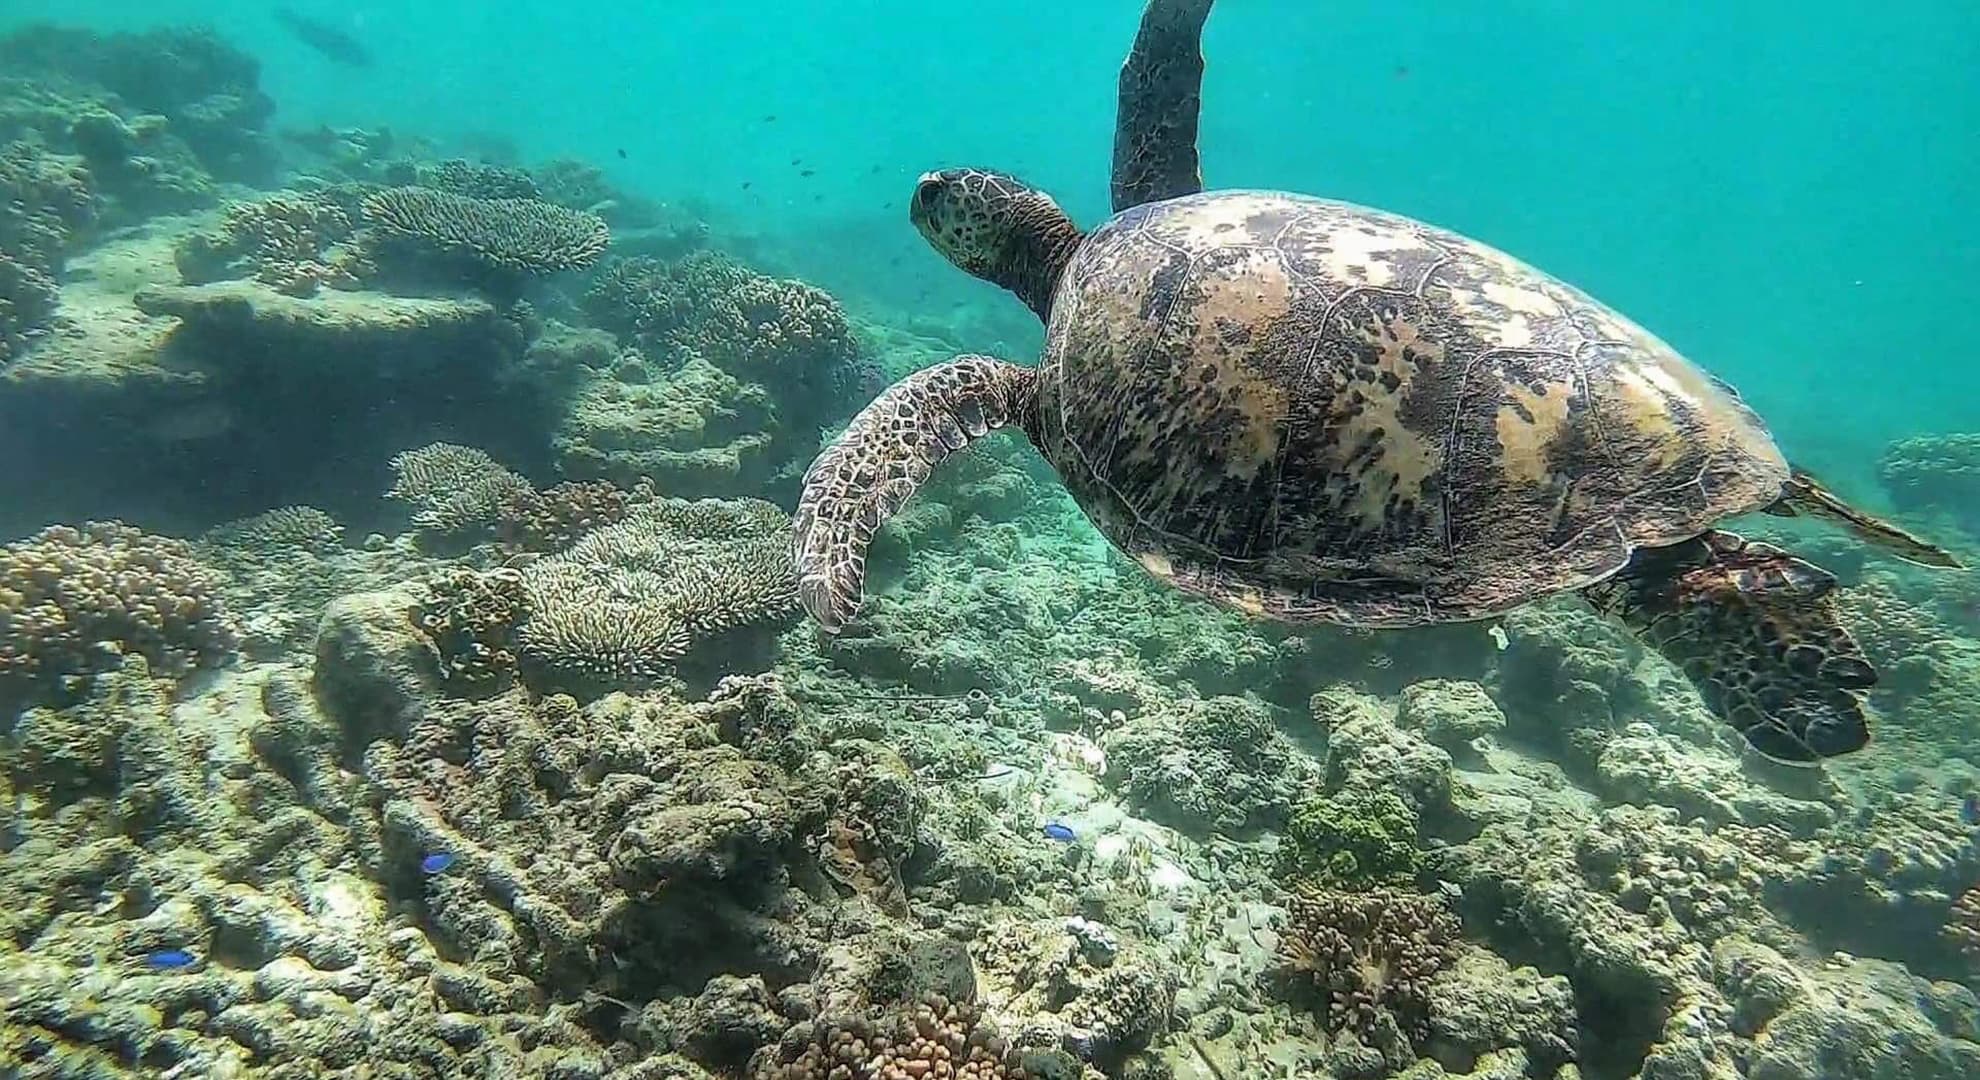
(888, 450)
(1756, 630)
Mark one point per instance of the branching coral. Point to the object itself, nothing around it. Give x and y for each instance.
(294, 243)
(556, 517)
(283, 528)
(933, 1040)
(629, 599)
(475, 179)
(518, 235)
(453, 488)
(1370, 955)
(74, 600)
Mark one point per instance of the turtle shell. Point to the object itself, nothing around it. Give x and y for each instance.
(1318, 412)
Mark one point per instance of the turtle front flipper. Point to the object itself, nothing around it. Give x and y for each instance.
(888, 450)
(1161, 94)
(1756, 630)
(1804, 494)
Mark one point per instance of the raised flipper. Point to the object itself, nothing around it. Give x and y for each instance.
(887, 451)
(1161, 95)
(1756, 630)
(1806, 495)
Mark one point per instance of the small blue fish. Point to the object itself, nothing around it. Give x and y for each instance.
(170, 960)
(437, 862)
(1060, 831)
(1969, 810)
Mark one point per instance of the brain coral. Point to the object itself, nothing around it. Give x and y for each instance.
(524, 235)
(74, 599)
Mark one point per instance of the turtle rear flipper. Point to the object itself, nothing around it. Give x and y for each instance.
(1806, 495)
(1756, 630)
(1161, 96)
(888, 450)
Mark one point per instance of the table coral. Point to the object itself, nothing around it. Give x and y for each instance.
(74, 600)
(528, 236)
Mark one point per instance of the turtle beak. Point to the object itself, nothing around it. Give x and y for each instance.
(926, 190)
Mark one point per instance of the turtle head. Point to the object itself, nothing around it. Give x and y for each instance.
(998, 228)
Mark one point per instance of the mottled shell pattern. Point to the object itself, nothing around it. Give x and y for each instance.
(1315, 411)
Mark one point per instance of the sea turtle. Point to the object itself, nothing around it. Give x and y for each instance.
(1317, 412)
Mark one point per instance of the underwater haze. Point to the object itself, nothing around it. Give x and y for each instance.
(503, 574)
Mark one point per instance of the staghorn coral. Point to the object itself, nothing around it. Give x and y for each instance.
(932, 1040)
(453, 489)
(74, 600)
(526, 236)
(295, 243)
(628, 600)
(1370, 955)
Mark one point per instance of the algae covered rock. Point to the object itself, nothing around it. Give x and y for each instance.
(1351, 841)
(1215, 765)
(1449, 713)
(375, 672)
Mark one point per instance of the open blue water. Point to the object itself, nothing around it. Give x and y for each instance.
(1783, 190)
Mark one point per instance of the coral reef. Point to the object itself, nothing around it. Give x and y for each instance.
(158, 116)
(629, 600)
(523, 236)
(554, 518)
(454, 489)
(75, 602)
(735, 373)
(294, 244)
(1935, 475)
(1350, 841)
(1370, 958)
(45, 201)
(1216, 765)
(934, 1040)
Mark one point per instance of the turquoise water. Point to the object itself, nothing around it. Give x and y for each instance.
(1782, 190)
(413, 660)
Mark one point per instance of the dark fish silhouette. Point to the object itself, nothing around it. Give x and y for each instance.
(622, 153)
(324, 38)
